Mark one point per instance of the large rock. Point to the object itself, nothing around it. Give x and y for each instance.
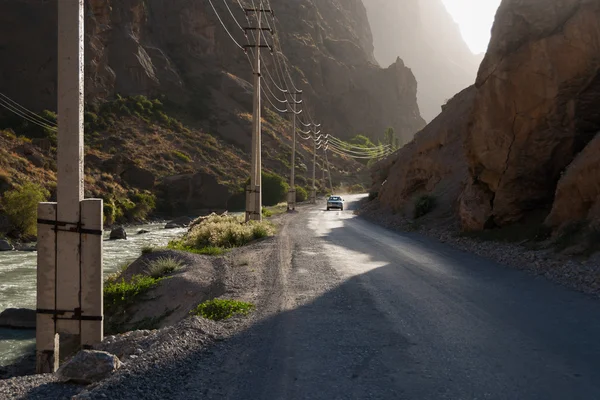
(5, 245)
(192, 192)
(433, 163)
(118, 233)
(18, 318)
(536, 107)
(577, 196)
(179, 222)
(89, 366)
(139, 177)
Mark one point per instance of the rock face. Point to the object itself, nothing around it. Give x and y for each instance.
(434, 162)
(536, 106)
(18, 318)
(89, 366)
(425, 36)
(577, 196)
(193, 192)
(178, 49)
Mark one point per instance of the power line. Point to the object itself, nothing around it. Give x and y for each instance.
(7, 106)
(224, 27)
(27, 111)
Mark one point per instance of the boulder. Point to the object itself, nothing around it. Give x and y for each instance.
(26, 247)
(89, 366)
(193, 192)
(577, 195)
(118, 233)
(139, 177)
(18, 318)
(142, 231)
(5, 246)
(180, 222)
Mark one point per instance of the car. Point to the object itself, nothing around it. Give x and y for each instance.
(335, 202)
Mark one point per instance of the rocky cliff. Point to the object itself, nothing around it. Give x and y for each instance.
(530, 142)
(196, 139)
(179, 49)
(425, 36)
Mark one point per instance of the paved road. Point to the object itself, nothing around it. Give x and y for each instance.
(372, 314)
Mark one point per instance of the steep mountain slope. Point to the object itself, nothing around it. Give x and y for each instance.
(178, 52)
(530, 141)
(425, 36)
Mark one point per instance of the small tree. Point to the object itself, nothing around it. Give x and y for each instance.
(301, 194)
(20, 204)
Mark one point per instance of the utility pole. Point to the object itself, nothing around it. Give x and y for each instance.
(254, 191)
(313, 193)
(69, 270)
(291, 206)
(328, 170)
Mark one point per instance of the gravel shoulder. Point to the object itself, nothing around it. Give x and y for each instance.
(576, 274)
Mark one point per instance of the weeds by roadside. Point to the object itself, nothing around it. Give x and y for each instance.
(163, 266)
(220, 309)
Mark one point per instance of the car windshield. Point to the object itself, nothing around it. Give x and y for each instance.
(335, 198)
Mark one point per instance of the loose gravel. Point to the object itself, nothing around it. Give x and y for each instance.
(583, 276)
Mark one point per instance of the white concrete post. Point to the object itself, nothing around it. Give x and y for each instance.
(47, 347)
(92, 308)
(254, 206)
(69, 284)
(292, 192)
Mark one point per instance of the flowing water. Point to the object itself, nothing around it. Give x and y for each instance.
(18, 279)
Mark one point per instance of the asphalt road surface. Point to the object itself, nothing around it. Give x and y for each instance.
(365, 313)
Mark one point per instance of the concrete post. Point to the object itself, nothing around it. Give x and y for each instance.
(254, 205)
(292, 193)
(47, 346)
(69, 281)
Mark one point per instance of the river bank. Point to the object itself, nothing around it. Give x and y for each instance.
(18, 278)
(240, 274)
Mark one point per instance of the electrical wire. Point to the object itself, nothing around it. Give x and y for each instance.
(27, 111)
(224, 27)
(14, 110)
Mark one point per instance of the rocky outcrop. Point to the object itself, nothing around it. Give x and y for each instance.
(577, 196)
(6, 246)
(433, 163)
(425, 36)
(194, 192)
(536, 107)
(178, 49)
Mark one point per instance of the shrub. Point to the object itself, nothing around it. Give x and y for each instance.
(225, 232)
(274, 189)
(301, 194)
(181, 156)
(424, 205)
(20, 204)
(220, 309)
(147, 250)
(122, 294)
(145, 203)
(207, 250)
(163, 266)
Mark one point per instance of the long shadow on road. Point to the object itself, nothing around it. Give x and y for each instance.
(412, 320)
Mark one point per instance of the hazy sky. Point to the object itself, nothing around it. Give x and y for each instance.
(475, 18)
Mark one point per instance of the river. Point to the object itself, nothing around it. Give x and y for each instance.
(18, 279)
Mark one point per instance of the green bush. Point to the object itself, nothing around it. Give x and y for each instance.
(424, 205)
(147, 249)
(145, 203)
(207, 250)
(274, 189)
(301, 194)
(163, 266)
(220, 309)
(123, 294)
(20, 204)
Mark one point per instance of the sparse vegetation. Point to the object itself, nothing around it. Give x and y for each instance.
(181, 156)
(424, 205)
(120, 294)
(163, 266)
(148, 249)
(20, 204)
(207, 250)
(220, 309)
(226, 232)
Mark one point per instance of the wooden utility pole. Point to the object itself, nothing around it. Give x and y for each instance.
(69, 273)
(254, 191)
